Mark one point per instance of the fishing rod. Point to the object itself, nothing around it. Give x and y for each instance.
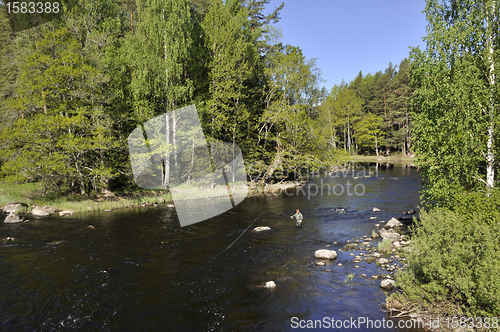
(234, 240)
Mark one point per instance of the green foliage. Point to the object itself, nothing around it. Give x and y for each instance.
(368, 132)
(384, 246)
(455, 261)
(471, 205)
(62, 137)
(455, 100)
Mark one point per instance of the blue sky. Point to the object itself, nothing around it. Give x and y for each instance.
(347, 36)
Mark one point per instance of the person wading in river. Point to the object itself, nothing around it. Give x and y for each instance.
(298, 218)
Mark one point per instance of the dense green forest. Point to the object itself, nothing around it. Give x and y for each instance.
(76, 84)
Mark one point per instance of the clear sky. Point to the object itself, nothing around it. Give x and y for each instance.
(347, 36)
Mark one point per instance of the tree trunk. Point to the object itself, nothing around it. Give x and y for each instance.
(490, 158)
(167, 154)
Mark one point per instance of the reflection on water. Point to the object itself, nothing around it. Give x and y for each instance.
(138, 270)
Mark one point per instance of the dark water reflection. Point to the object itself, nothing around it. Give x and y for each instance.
(138, 270)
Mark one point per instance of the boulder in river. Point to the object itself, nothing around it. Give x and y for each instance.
(14, 207)
(390, 234)
(375, 209)
(261, 228)
(13, 218)
(42, 211)
(387, 284)
(325, 253)
(393, 223)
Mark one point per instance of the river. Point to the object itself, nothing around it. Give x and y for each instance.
(138, 270)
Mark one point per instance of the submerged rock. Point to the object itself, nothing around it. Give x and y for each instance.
(325, 253)
(261, 228)
(320, 263)
(375, 209)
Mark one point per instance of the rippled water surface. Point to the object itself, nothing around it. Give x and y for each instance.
(138, 270)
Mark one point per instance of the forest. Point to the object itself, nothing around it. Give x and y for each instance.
(76, 83)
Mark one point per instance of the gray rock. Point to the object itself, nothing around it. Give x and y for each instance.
(14, 207)
(42, 211)
(376, 254)
(340, 264)
(170, 205)
(261, 228)
(325, 253)
(373, 218)
(66, 212)
(376, 209)
(320, 263)
(389, 234)
(393, 223)
(383, 261)
(13, 218)
(387, 284)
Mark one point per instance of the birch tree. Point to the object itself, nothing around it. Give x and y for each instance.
(456, 100)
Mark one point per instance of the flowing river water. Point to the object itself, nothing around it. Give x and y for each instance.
(138, 270)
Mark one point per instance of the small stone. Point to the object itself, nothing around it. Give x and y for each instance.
(351, 254)
(376, 254)
(270, 284)
(324, 253)
(373, 218)
(356, 266)
(320, 263)
(340, 264)
(376, 209)
(170, 205)
(377, 225)
(382, 261)
(261, 228)
(363, 275)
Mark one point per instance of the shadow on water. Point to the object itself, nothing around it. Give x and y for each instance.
(138, 270)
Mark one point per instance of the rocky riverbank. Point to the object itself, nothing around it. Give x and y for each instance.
(108, 201)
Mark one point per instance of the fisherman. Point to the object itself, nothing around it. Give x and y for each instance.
(298, 217)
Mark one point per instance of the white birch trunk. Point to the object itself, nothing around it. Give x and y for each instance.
(490, 156)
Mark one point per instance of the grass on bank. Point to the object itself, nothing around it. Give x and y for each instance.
(396, 158)
(31, 194)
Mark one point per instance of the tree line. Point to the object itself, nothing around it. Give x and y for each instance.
(74, 86)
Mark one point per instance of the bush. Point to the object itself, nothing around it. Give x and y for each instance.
(454, 262)
(477, 204)
(384, 246)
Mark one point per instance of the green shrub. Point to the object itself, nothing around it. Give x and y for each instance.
(477, 204)
(456, 262)
(384, 246)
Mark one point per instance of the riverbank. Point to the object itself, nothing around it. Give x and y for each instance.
(393, 159)
(31, 195)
